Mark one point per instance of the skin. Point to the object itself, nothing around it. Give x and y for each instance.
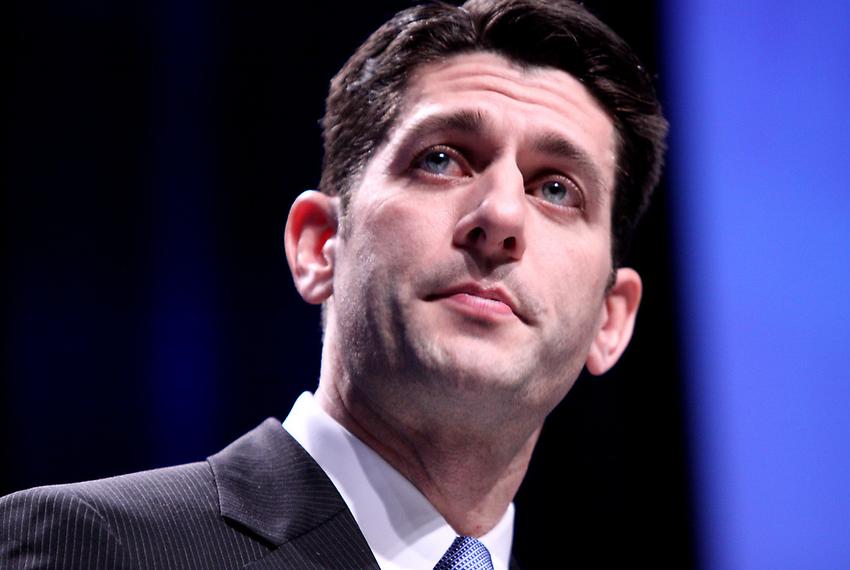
(470, 279)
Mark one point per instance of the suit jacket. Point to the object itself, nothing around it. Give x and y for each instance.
(262, 502)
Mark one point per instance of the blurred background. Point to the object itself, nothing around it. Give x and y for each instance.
(153, 150)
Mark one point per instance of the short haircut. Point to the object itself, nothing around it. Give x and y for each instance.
(366, 95)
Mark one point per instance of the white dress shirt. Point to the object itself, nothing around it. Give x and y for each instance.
(402, 528)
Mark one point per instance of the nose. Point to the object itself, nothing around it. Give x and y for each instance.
(493, 228)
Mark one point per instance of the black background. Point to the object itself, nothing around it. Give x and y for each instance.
(152, 152)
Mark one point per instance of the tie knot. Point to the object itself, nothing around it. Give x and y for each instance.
(465, 553)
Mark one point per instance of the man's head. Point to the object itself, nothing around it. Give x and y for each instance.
(478, 162)
(367, 95)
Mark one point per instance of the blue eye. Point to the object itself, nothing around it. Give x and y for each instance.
(553, 191)
(436, 162)
(442, 162)
(561, 193)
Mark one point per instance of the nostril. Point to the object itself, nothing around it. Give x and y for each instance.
(476, 234)
(509, 243)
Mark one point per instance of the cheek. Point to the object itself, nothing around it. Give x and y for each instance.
(576, 272)
(401, 230)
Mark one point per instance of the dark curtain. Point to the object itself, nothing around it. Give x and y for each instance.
(153, 149)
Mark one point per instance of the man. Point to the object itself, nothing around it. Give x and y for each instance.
(484, 169)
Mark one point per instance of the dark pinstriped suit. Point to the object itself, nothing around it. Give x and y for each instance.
(262, 502)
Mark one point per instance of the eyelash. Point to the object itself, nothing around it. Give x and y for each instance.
(454, 154)
(563, 180)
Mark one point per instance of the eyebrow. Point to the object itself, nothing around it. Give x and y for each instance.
(475, 122)
(464, 121)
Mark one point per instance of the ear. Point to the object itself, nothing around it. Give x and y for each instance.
(617, 321)
(310, 242)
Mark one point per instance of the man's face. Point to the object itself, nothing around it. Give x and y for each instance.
(473, 259)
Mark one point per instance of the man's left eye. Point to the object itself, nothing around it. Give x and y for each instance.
(561, 192)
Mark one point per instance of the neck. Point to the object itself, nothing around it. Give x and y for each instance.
(470, 473)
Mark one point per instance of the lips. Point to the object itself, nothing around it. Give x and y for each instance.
(480, 299)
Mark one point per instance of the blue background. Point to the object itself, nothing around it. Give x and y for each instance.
(759, 96)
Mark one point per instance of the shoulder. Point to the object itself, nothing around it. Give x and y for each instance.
(54, 527)
(225, 512)
(141, 494)
(88, 524)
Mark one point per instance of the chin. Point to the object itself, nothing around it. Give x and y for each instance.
(472, 368)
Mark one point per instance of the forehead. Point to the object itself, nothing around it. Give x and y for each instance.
(523, 101)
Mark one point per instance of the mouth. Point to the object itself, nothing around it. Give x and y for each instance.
(489, 303)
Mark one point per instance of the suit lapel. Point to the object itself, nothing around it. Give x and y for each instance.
(268, 484)
(330, 546)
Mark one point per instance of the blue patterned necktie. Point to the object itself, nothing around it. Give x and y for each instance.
(465, 553)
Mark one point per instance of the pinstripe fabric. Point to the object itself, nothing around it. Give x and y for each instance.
(262, 502)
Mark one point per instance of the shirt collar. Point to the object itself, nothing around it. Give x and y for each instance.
(402, 528)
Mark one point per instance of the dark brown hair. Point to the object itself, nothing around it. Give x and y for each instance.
(366, 94)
